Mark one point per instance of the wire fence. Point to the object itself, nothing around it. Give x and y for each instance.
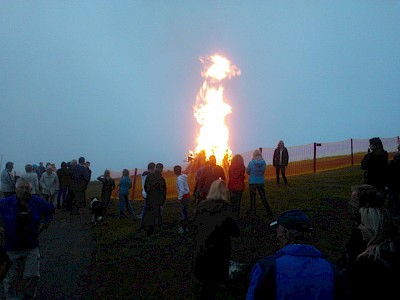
(304, 159)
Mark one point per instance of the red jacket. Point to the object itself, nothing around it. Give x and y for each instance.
(236, 177)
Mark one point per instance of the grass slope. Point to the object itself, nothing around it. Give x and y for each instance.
(128, 265)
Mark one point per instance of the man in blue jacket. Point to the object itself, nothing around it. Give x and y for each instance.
(23, 216)
(298, 270)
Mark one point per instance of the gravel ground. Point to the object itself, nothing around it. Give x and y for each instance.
(66, 248)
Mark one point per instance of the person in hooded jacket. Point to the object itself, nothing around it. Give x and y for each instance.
(236, 186)
(256, 169)
(214, 225)
(375, 164)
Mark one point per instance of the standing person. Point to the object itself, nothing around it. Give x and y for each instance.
(8, 180)
(124, 185)
(151, 167)
(376, 272)
(375, 164)
(200, 162)
(80, 177)
(183, 196)
(89, 171)
(209, 174)
(298, 270)
(32, 177)
(280, 161)
(50, 185)
(256, 169)
(106, 190)
(156, 190)
(23, 217)
(394, 184)
(40, 170)
(214, 225)
(70, 183)
(63, 179)
(236, 186)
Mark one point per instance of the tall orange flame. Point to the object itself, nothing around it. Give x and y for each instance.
(210, 109)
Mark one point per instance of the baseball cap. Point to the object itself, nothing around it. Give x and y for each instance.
(294, 219)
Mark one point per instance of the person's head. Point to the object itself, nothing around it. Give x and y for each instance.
(217, 191)
(107, 173)
(292, 226)
(375, 144)
(177, 170)
(74, 162)
(159, 168)
(63, 165)
(34, 168)
(257, 154)
(237, 159)
(41, 164)
(377, 227)
(48, 164)
(9, 166)
(28, 168)
(151, 167)
(281, 144)
(212, 160)
(81, 160)
(23, 189)
(88, 164)
(49, 169)
(363, 195)
(125, 172)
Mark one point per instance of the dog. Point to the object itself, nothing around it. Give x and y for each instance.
(96, 209)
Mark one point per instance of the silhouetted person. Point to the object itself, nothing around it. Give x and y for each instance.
(280, 161)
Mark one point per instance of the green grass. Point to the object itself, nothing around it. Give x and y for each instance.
(126, 264)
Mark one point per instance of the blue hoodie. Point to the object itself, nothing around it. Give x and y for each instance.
(256, 170)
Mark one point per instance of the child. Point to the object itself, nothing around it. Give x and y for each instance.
(124, 186)
(183, 196)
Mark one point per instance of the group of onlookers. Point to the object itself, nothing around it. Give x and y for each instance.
(64, 187)
(26, 210)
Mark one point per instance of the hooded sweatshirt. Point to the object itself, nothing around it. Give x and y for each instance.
(256, 169)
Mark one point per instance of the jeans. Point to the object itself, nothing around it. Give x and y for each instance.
(124, 202)
(260, 188)
(282, 170)
(236, 198)
(143, 212)
(62, 193)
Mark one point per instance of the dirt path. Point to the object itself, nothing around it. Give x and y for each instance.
(65, 248)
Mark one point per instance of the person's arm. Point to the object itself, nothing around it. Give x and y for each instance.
(180, 185)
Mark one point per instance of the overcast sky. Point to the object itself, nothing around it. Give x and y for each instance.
(116, 81)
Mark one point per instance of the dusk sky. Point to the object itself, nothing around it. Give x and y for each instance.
(116, 81)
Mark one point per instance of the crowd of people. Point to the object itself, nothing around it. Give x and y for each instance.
(298, 270)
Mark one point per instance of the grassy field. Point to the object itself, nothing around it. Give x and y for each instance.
(128, 265)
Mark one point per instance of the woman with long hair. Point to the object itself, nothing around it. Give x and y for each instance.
(214, 225)
(376, 271)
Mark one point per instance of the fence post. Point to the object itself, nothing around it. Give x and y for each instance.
(260, 149)
(134, 185)
(315, 155)
(352, 157)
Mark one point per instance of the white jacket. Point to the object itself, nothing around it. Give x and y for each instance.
(49, 183)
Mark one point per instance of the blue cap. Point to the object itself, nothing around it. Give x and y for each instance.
(294, 219)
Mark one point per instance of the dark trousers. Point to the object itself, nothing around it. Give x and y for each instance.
(253, 190)
(280, 169)
(236, 198)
